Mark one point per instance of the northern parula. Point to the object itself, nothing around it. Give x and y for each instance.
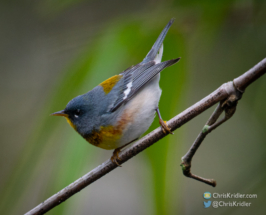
(119, 110)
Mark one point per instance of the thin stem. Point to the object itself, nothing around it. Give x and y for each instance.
(229, 107)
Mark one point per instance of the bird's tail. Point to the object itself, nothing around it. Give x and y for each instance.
(158, 46)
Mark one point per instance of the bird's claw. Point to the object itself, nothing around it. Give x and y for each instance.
(165, 127)
(115, 157)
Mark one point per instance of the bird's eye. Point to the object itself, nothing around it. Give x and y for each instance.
(77, 113)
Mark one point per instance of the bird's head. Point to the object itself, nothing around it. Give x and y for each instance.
(77, 113)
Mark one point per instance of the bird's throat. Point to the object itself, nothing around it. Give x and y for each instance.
(71, 123)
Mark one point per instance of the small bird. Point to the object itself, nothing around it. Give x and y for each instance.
(120, 109)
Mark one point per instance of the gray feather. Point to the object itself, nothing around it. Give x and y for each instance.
(135, 77)
(139, 77)
(156, 46)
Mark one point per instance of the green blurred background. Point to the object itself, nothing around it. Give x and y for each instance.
(54, 50)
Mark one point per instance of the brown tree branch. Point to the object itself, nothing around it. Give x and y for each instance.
(229, 106)
(220, 94)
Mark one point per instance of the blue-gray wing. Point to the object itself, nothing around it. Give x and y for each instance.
(135, 78)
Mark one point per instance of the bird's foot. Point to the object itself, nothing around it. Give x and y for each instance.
(115, 157)
(165, 127)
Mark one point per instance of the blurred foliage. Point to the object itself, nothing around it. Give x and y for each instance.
(55, 7)
(124, 41)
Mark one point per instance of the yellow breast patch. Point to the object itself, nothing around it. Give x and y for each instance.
(110, 83)
(108, 136)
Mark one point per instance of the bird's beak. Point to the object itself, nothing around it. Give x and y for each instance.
(60, 113)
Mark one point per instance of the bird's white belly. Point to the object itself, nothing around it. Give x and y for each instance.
(141, 110)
